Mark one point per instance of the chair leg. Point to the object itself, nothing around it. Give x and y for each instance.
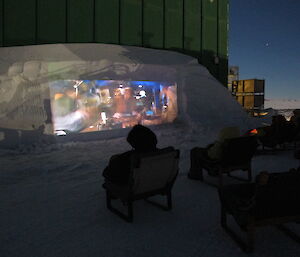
(130, 211)
(289, 233)
(169, 200)
(201, 175)
(220, 173)
(223, 217)
(195, 164)
(108, 200)
(249, 174)
(245, 246)
(250, 240)
(128, 217)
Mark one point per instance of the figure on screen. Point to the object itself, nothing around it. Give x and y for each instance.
(130, 102)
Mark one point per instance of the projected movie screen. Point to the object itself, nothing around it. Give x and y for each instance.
(80, 106)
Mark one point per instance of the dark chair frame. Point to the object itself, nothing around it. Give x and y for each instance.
(282, 139)
(126, 193)
(252, 219)
(248, 244)
(236, 154)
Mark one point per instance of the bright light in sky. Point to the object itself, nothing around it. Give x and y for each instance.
(277, 59)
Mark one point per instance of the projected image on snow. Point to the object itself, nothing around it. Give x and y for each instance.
(95, 105)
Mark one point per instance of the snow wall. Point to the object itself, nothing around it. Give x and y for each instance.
(25, 73)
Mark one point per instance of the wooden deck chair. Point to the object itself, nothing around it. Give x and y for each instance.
(236, 154)
(253, 206)
(151, 174)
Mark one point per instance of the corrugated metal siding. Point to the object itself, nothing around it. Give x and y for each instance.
(174, 24)
(195, 27)
(153, 23)
(210, 35)
(107, 20)
(51, 21)
(192, 25)
(131, 22)
(1, 22)
(222, 28)
(80, 21)
(19, 22)
(222, 40)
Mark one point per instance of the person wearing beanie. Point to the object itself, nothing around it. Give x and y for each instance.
(142, 140)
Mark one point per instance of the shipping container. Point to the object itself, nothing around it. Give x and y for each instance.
(240, 100)
(249, 93)
(254, 86)
(250, 86)
(253, 101)
(259, 101)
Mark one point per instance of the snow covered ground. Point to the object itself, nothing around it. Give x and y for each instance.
(52, 202)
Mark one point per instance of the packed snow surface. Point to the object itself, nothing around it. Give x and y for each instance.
(53, 204)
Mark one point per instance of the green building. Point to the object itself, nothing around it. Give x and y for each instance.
(195, 27)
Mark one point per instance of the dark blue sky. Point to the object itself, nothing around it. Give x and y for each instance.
(264, 41)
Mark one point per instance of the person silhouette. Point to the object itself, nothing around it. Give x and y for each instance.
(211, 152)
(142, 140)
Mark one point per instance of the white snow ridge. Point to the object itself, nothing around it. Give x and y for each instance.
(281, 104)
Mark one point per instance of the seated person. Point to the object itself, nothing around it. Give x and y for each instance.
(142, 140)
(211, 152)
(272, 195)
(296, 117)
(295, 120)
(278, 132)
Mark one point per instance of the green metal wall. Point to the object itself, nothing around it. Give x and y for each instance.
(51, 21)
(195, 27)
(153, 23)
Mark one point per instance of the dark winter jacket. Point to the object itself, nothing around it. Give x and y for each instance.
(143, 140)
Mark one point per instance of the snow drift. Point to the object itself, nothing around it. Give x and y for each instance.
(27, 71)
(282, 104)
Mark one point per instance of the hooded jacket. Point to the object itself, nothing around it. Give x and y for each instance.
(142, 140)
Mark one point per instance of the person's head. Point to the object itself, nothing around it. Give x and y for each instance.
(142, 138)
